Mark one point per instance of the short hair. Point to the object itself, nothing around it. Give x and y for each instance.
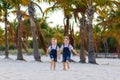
(53, 39)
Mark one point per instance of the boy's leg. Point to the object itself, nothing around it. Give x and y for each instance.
(52, 63)
(55, 60)
(67, 63)
(64, 62)
(64, 65)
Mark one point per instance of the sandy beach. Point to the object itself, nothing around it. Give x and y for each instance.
(11, 69)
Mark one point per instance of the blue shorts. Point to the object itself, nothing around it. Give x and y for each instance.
(53, 56)
(66, 58)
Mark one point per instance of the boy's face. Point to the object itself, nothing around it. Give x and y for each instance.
(53, 41)
(66, 41)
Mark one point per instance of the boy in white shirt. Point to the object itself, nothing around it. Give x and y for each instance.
(53, 50)
(66, 48)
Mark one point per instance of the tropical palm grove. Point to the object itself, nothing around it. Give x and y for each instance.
(98, 22)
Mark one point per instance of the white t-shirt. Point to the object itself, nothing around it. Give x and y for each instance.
(68, 45)
(53, 47)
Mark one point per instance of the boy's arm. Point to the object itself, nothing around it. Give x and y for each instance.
(47, 52)
(75, 52)
(59, 52)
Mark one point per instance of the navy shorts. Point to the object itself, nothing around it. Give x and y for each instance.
(54, 57)
(66, 58)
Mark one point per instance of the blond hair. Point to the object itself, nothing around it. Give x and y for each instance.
(53, 39)
(66, 37)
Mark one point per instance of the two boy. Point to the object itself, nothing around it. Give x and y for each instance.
(65, 49)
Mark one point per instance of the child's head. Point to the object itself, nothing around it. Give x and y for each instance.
(66, 40)
(53, 41)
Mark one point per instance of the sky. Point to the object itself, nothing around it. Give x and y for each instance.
(56, 17)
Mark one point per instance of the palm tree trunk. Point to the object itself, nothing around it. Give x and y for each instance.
(106, 48)
(95, 47)
(19, 17)
(91, 53)
(82, 32)
(71, 36)
(32, 22)
(86, 38)
(6, 37)
(118, 51)
(66, 27)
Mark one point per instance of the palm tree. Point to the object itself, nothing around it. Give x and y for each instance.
(19, 17)
(20, 31)
(90, 13)
(16, 4)
(5, 6)
(82, 36)
(38, 22)
(32, 22)
(112, 20)
(81, 9)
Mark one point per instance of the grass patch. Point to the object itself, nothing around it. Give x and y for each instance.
(30, 51)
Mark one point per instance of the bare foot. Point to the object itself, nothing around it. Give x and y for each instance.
(64, 69)
(68, 67)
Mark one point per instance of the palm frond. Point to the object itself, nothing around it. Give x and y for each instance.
(41, 38)
(51, 9)
(25, 2)
(110, 21)
(101, 13)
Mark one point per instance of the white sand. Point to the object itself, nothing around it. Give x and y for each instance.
(109, 69)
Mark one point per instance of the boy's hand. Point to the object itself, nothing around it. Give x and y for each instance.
(46, 54)
(59, 57)
(78, 54)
